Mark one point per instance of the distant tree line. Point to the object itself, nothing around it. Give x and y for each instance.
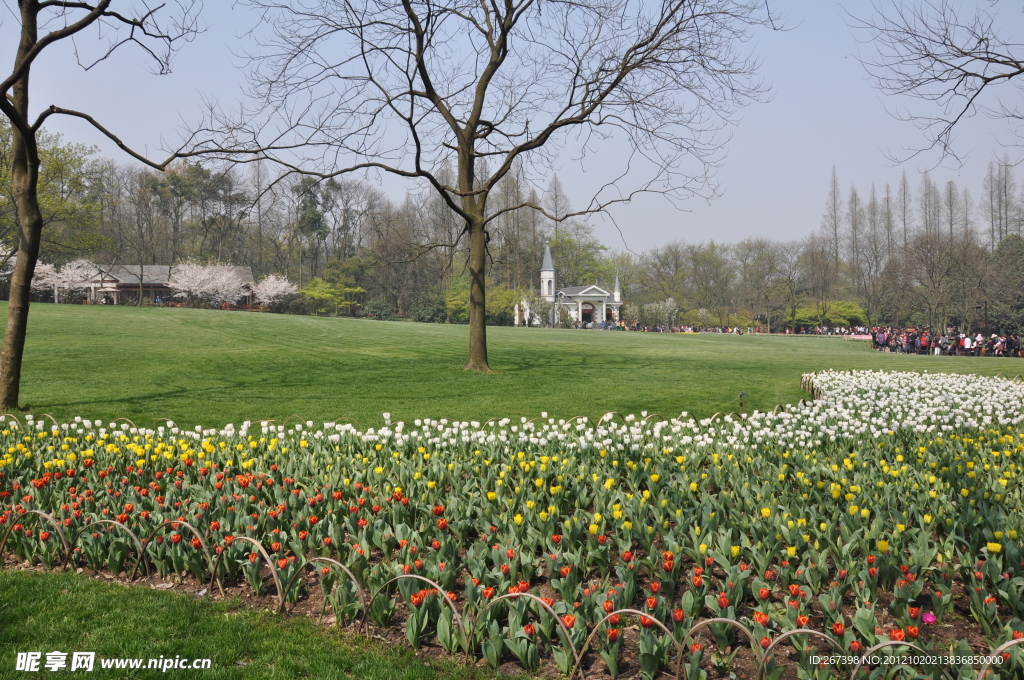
(926, 255)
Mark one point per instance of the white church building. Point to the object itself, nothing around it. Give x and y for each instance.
(584, 304)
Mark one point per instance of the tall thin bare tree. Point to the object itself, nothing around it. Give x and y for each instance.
(402, 86)
(43, 25)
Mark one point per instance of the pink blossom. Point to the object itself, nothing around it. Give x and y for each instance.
(928, 617)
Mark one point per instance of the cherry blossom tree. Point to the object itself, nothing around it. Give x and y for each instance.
(45, 278)
(189, 280)
(223, 285)
(216, 283)
(272, 288)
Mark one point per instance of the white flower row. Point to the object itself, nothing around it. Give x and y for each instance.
(852, 406)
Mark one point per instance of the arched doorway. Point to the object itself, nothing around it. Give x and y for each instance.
(588, 313)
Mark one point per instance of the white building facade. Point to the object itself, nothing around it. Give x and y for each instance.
(589, 306)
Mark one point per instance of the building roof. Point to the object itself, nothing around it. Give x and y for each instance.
(547, 265)
(155, 274)
(584, 291)
(159, 274)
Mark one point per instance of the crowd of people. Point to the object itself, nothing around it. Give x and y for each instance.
(948, 343)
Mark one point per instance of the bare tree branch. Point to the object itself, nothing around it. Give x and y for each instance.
(928, 51)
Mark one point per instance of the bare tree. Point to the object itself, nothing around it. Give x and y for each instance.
(904, 210)
(832, 221)
(42, 25)
(928, 50)
(404, 86)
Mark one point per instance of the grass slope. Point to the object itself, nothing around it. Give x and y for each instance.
(213, 367)
(69, 613)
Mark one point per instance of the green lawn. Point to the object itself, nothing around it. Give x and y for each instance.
(214, 367)
(64, 612)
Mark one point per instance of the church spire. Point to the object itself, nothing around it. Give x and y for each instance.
(547, 265)
(547, 276)
(617, 293)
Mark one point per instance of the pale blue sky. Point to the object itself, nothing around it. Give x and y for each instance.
(824, 112)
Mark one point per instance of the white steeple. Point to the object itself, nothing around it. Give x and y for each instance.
(617, 293)
(547, 276)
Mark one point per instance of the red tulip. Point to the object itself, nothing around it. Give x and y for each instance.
(556, 538)
(723, 600)
(44, 536)
(529, 630)
(609, 606)
(646, 622)
(438, 510)
(838, 628)
(912, 632)
(613, 635)
(697, 581)
(803, 620)
(627, 556)
(855, 646)
(488, 593)
(761, 618)
(282, 563)
(766, 642)
(764, 593)
(896, 634)
(652, 602)
(569, 620)
(678, 615)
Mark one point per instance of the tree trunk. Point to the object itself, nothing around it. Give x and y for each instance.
(25, 182)
(477, 299)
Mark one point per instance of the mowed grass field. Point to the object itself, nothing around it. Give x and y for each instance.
(205, 367)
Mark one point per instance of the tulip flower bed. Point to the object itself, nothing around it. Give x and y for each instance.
(860, 523)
